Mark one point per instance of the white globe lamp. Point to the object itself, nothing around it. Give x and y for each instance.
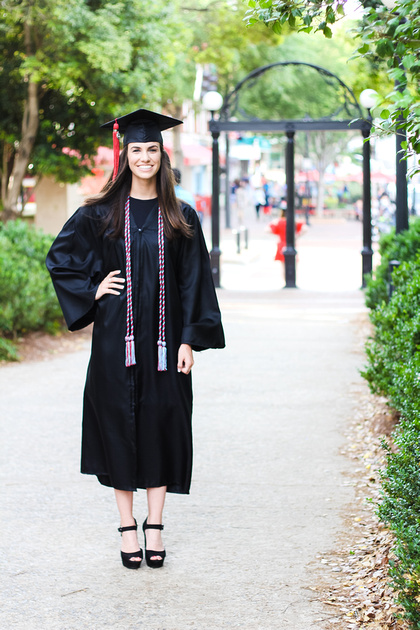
(369, 98)
(212, 101)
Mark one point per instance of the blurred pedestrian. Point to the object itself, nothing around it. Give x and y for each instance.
(259, 200)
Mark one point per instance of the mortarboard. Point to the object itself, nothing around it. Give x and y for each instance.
(139, 126)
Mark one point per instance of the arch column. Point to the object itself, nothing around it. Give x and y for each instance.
(227, 191)
(289, 252)
(215, 205)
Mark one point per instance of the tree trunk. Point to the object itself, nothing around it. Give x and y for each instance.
(30, 123)
(6, 168)
(177, 153)
(178, 156)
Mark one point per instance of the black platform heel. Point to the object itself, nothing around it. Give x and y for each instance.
(125, 556)
(154, 564)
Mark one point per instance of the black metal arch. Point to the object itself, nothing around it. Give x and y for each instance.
(226, 122)
(231, 100)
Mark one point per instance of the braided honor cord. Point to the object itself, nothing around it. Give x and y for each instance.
(130, 357)
(162, 360)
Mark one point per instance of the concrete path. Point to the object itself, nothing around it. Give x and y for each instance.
(268, 491)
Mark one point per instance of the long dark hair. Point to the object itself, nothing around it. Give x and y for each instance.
(115, 193)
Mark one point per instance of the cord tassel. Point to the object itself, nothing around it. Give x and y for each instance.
(116, 147)
(162, 351)
(162, 357)
(130, 354)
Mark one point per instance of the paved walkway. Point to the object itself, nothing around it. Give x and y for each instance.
(268, 488)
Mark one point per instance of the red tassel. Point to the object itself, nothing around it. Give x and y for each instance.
(116, 147)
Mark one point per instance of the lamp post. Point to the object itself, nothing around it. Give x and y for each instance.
(212, 102)
(401, 200)
(368, 99)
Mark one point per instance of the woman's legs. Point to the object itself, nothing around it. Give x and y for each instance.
(155, 501)
(125, 507)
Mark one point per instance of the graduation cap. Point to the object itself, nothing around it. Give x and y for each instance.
(139, 126)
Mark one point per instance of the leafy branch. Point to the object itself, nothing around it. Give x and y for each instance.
(391, 38)
(305, 16)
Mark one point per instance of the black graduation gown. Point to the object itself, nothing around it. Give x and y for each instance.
(136, 420)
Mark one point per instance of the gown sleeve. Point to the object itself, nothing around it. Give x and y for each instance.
(76, 267)
(202, 326)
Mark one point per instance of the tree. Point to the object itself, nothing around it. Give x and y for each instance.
(209, 34)
(67, 66)
(392, 37)
(220, 40)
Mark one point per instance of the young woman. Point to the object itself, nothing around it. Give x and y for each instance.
(133, 261)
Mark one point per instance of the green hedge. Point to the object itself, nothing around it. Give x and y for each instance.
(27, 297)
(402, 247)
(393, 370)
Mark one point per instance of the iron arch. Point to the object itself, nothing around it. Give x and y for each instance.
(347, 102)
(347, 116)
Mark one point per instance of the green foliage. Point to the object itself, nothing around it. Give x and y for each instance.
(401, 509)
(306, 16)
(90, 61)
(394, 37)
(218, 36)
(397, 330)
(393, 370)
(388, 38)
(402, 247)
(8, 351)
(27, 297)
(94, 59)
(284, 91)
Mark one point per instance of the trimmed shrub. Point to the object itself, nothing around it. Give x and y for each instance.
(397, 330)
(394, 371)
(400, 506)
(402, 247)
(27, 298)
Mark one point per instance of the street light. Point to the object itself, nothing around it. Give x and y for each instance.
(212, 102)
(368, 99)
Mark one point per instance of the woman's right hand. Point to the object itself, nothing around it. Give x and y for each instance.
(109, 285)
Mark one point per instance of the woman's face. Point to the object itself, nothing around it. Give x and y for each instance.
(144, 159)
